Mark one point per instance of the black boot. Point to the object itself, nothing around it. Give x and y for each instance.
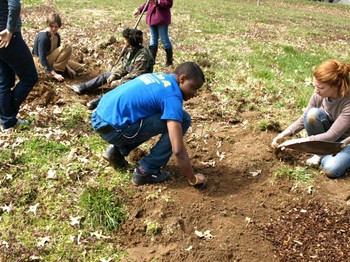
(153, 49)
(169, 57)
(93, 103)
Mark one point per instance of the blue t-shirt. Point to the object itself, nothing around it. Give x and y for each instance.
(141, 97)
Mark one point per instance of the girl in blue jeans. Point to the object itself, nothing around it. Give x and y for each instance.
(327, 117)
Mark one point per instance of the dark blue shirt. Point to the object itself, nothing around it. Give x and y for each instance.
(42, 46)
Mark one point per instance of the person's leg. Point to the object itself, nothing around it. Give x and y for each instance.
(154, 35)
(162, 151)
(16, 60)
(59, 57)
(77, 67)
(90, 85)
(7, 81)
(164, 37)
(95, 83)
(316, 122)
(335, 166)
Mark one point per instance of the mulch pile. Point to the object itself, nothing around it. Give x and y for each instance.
(311, 232)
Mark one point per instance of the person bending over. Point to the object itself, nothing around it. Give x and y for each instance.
(147, 106)
(327, 116)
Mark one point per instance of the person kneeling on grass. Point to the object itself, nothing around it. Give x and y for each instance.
(327, 117)
(136, 61)
(144, 107)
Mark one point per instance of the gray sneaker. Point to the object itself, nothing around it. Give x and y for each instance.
(139, 179)
(20, 123)
(113, 156)
(76, 88)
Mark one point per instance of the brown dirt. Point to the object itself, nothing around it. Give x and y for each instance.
(251, 215)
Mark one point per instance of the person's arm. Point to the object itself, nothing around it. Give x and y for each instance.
(181, 155)
(139, 67)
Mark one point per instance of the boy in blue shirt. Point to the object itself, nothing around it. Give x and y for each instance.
(146, 106)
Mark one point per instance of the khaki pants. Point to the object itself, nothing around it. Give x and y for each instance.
(59, 58)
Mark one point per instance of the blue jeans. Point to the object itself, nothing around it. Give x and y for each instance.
(16, 59)
(162, 32)
(96, 82)
(127, 139)
(316, 122)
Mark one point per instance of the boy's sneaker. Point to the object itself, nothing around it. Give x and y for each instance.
(93, 103)
(19, 123)
(113, 156)
(139, 178)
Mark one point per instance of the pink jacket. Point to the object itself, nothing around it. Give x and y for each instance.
(158, 13)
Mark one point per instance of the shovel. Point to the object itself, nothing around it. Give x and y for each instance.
(316, 147)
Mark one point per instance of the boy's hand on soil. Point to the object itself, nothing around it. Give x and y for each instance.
(200, 180)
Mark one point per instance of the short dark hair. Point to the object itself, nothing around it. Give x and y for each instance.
(133, 36)
(54, 18)
(191, 70)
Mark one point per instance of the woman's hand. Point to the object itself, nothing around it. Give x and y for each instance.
(136, 13)
(277, 140)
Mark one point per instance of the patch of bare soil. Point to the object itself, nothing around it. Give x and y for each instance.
(244, 213)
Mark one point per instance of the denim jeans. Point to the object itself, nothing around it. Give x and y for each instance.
(129, 138)
(96, 82)
(16, 59)
(162, 32)
(316, 122)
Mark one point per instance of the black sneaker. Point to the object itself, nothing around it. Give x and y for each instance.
(139, 179)
(93, 103)
(113, 156)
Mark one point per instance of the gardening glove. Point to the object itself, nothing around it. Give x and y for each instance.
(201, 181)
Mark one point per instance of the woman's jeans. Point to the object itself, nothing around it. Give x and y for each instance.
(15, 59)
(317, 122)
(162, 32)
(127, 139)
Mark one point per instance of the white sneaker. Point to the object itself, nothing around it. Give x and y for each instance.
(315, 160)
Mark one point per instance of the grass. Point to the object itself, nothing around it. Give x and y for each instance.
(263, 55)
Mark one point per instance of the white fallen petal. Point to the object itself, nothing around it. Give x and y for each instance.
(75, 220)
(33, 208)
(43, 241)
(51, 174)
(189, 248)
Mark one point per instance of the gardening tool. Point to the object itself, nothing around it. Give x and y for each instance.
(316, 147)
(122, 53)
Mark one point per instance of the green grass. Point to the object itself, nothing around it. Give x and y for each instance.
(103, 208)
